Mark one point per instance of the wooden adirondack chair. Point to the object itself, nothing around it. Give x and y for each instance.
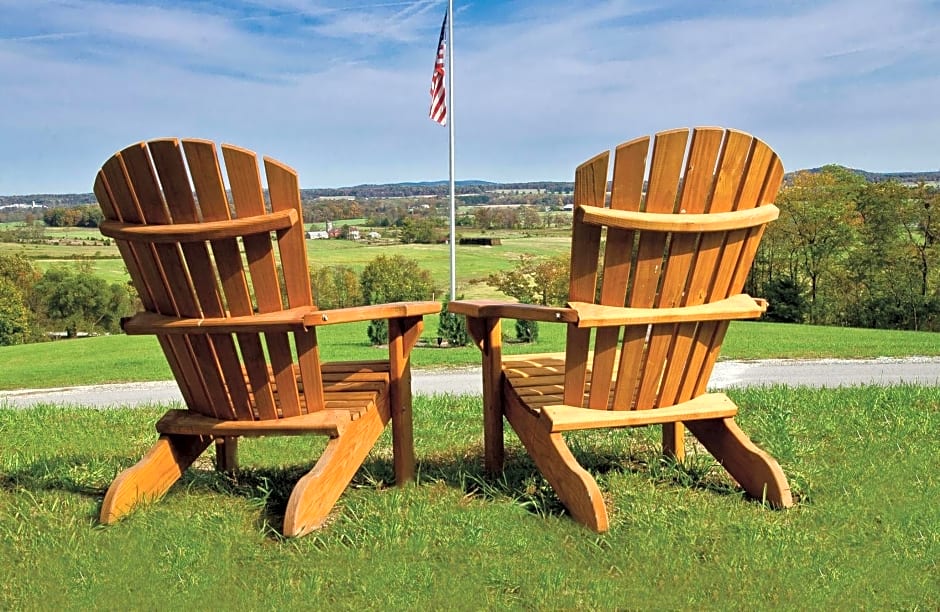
(241, 339)
(659, 286)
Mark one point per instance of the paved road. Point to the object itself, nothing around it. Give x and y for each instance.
(819, 373)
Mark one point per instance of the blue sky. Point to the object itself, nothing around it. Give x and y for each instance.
(339, 90)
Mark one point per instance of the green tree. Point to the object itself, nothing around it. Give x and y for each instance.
(819, 222)
(393, 279)
(786, 303)
(452, 327)
(894, 272)
(336, 287)
(421, 230)
(74, 300)
(920, 220)
(14, 315)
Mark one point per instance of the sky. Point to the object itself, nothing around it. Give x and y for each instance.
(339, 90)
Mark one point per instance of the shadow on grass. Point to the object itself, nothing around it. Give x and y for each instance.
(70, 474)
(522, 483)
(269, 488)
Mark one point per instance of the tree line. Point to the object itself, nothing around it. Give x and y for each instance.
(845, 251)
(850, 252)
(71, 300)
(67, 298)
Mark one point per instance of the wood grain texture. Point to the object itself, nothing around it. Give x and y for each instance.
(225, 288)
(678, 238)
(152, 476)
(574, 485)
(316, 493)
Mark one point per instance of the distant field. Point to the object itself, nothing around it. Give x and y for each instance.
(474, 263)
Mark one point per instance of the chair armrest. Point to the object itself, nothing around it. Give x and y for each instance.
(394, 310)
(487, 309)
(153, 323)
(739, 306)
(294, 319)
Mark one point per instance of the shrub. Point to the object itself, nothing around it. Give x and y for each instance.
(786, 303)
(393, 279)
(452, 327)
(527, 331)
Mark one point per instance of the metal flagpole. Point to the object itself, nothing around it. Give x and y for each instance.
(450, 119)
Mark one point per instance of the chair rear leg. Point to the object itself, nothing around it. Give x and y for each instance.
(152, 476)
(226, 454)
(574, 485)
(316, 493)
(753, 468)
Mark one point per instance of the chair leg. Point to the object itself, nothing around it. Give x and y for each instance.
(152, 476)
(316, 493)
(226, 454)
(574, 485)
(753, 468)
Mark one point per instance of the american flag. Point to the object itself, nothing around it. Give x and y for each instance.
(438, 112)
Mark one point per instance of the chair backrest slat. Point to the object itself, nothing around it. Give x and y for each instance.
(167, 156)
(715, 170)
(284, 192)
(245, 181)
(627, 193)
(592, 177)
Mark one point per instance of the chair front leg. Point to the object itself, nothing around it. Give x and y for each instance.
(403, 334)
(487, 333)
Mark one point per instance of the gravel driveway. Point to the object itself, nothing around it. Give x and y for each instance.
(815, 373)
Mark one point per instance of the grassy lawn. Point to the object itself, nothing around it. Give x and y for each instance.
(865, 533)
(120, 358)
(474, 263)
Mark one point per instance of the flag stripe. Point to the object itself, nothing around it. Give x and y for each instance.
(438, 111)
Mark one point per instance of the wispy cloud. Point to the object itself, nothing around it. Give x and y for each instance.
(339, 89)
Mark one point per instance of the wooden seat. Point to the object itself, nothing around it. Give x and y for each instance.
(657, 270)
(221, 270)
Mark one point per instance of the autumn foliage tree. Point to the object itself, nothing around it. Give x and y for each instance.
(17, 279)
(534, 280)
(336, 287)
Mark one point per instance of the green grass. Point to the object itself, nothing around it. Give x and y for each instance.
(474, 263)
(865, 533)
(761, 340)
(109, 359)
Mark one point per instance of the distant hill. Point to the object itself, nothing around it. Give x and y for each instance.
(468, 183)
(880, 177)
(429, 188)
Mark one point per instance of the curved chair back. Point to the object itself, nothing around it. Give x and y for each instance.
(677, 232)
(198, 248)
